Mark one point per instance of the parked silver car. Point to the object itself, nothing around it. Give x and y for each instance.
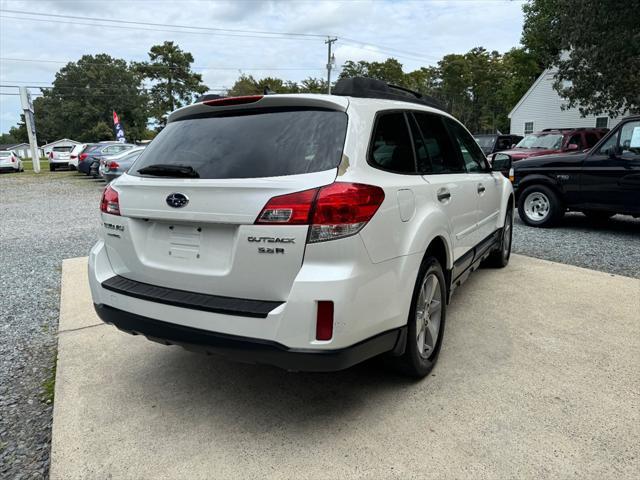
(115, 165)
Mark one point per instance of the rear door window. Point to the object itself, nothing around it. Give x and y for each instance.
(251, 143)
(472, 155)
(442, 157)
(391, 146)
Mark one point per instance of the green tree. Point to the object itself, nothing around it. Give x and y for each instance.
(595, 45)
(245, 85)
(87, 92)
(19, 132)
(100, 132)
(313, 85)
(7, 138)
(174, 83)
(389, 71)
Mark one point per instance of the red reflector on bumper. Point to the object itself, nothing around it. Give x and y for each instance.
(324, 322)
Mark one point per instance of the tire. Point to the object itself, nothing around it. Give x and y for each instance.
(52, 167)
(598, 216)
(93, 171)
(540, 206)
(499, 258)
(414, 362)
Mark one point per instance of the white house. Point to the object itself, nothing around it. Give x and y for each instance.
(63, 142)
(540, 108)
(23, 150)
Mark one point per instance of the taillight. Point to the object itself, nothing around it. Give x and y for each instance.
(290, 209)
(50, 155)
(110, 202)
(218, 102)
(112, 165)
(335, 211)
(82, 157)
(74, 156)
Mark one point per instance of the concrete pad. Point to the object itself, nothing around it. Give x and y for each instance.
(539, 377)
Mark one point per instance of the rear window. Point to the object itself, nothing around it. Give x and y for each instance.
(255, 143)
(5, 154)
(62, 149)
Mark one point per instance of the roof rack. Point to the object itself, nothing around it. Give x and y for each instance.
(364, 87)
(208, 96)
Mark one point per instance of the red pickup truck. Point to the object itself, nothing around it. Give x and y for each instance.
(552, 140)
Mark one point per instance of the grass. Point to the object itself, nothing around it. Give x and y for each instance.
(28, 165)
(49, 385)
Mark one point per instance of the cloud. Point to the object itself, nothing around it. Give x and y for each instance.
(417, 33)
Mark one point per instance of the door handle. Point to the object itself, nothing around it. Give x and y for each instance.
(443, 195)
(481, 188)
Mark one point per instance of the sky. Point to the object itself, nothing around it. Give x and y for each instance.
(417, 33)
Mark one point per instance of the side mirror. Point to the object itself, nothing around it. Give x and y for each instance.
(501, 162)
(572, 146)
(513, 145)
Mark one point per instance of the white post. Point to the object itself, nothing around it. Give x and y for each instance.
(27, 107)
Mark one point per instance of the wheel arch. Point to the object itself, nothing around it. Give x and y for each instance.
(531, 180)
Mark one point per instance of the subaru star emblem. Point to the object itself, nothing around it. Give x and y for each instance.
(177, 200)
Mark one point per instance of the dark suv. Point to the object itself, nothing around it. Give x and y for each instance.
(491, 143)
(552, 140)
(600, 183)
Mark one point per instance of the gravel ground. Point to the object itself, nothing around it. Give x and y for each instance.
(43, 219)
(612, 246)
(46, 218)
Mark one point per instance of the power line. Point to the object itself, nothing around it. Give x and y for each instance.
(217, 31)
(123, 27)
(197, 67)
(131, 22)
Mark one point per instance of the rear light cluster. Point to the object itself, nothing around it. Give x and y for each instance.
(110, 202)
(112, 165)
(82, 157)
(334, 211)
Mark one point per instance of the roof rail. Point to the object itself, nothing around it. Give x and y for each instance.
(364, 87)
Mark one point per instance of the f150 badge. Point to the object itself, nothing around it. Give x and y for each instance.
(273, 240)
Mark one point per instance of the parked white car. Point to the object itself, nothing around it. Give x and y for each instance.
(10, 161)
(59, 157)
(310, 232)
(74, 154)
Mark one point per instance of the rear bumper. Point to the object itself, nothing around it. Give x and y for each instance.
(250, 350)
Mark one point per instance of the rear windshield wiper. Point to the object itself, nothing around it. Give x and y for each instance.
(166, 170)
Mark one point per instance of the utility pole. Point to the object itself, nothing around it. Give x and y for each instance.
(30, 124)
(330, 60)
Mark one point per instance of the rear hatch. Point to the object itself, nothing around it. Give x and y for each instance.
(61, 154)
(189, 204)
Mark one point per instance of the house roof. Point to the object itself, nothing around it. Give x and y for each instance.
(11, 146)
(531, 89)
(68, 140)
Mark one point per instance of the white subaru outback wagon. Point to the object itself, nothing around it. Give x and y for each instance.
(309, 232)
